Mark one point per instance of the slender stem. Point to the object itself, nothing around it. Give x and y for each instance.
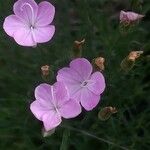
(94, 136)
(64, 144)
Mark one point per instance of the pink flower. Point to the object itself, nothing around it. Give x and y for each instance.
(52, 103)
(82, 84)
(129, 17)
(30, 23)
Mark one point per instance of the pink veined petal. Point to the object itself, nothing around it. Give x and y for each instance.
(89, 100)
(70, 78)
(70, 75)
(43, 34)
(82, 66)
(132, 16)
(43, 94)
(122, 15)
(70, 109)
(38, 109)
(61, 94)
(24, 37)
(77, 95)
(26, 10)
(12, 24)
(46, 12)
(51, 120)
(97, 83)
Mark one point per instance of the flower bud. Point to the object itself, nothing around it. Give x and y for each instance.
(98, 64)
(47, 133)
(106, 112)
(78, 44)
(45, 70)
(134, 55)
(77, 50)
(128, 62)
(127, 18)
(46, 73)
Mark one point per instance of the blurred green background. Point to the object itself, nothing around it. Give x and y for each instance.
(98, 22)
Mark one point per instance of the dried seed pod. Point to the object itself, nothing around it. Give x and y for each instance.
(45, 70)
(129, 61)
(78, 44)
(134, 55)
(77, 50)
(106, 112)
(47, 73)
(98, 64)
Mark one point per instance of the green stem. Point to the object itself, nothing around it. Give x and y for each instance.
(64, 144)
(95, 137)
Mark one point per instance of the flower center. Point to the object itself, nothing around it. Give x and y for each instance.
(84, 83)
(32, 27)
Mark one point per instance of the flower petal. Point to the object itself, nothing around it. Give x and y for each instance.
(82, 66)
(97, 84)
(44, 95)
(12, 24)
(88, 99)
(59, 94)
(51, 120)
(38, 109)
(70, 78)
(70, 109)
(43, 34)
(26, 10)
(132, 16)
(46, 12)
(123, 15)
(24, 37)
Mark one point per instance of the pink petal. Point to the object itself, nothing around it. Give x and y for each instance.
(43, 34)
(12, 24)
(70, 109)
(60, 93)
(46, 12)
(82, 66)
(26, 10)
(44, 95)
(70, 78)
(88, 99)
(123, 15)
(24, 37)
(38, 109)
(97, 84)
(132, 16)
(51, 120)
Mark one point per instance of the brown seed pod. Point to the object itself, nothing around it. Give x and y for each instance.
(106, 112)
(45, 70)
(129, 61)
(98, 64)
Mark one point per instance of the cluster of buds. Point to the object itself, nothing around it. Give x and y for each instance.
(98, 63)
(106, 112)
(129, 61)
